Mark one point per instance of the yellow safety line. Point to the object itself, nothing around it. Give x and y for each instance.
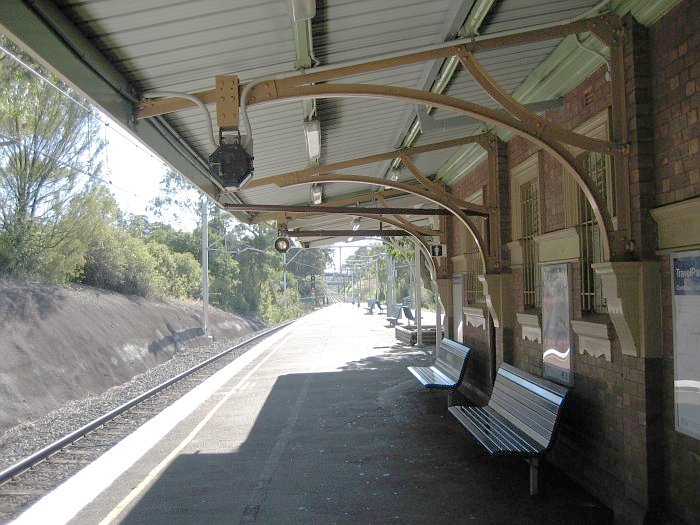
(161, 466)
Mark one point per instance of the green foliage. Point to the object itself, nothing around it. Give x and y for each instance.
(48, 166)
(224, 282)
(180, 272)
(117, 261)
(58, 220)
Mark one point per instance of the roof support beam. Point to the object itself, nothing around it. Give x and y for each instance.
(401, 225)
(296, 179)
(371, 159)
(265, 90)
(349, 233)
(343, 210)
(545, 140)
(398, 218)
(545, 127)
(343, 201)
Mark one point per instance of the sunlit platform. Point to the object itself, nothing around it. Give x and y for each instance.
(320, 424)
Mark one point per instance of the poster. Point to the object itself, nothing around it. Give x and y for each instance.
(556, 323)
(685, 274)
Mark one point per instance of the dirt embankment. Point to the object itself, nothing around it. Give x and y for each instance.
(63, 343)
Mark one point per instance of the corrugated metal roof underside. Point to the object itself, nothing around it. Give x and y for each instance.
(508, 15)
(561, 68)
(354, 29)
(181, 46)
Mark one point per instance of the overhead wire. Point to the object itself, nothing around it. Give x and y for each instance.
(68, 95)
(97, 178)
(27, 67)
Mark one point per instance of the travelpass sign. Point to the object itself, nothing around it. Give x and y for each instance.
(686, 334)
(686, 275)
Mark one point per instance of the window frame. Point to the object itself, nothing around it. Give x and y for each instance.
(527, 172)
(590, 294)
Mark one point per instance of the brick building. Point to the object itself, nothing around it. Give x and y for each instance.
(619, 439)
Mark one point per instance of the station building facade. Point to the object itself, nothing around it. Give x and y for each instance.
(620, 437)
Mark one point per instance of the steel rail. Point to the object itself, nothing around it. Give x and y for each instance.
(30, 461)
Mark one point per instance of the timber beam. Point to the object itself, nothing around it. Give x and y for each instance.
(371, 159)
(296, 180)
(396, 221)
(553, 147)
(265, 89)
(343, 201)
(344, 210)
(348, 233)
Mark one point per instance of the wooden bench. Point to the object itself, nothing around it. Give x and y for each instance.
(520, 419)
(448, 369)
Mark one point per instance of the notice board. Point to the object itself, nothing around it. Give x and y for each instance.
(685, 274)
(556, 323)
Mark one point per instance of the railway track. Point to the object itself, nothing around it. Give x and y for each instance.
(31, 478)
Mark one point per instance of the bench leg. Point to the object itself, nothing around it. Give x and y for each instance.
(534, 475)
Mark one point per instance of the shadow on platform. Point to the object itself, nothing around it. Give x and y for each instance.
(363, 445)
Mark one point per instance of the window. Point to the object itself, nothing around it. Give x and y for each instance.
(580, 214)
(530, 224)
(527, 222)
(473, 288)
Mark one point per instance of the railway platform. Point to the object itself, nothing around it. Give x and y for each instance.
(320, 423)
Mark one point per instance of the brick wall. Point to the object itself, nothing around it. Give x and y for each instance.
(675, 43)
(675, 52)
(618, 436)
(476, 338)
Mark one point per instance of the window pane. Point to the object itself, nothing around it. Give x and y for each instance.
(529, 213)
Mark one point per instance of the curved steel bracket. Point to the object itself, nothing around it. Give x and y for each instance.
(461, 107)
(295, 179)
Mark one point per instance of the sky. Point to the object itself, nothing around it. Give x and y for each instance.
(136, 173)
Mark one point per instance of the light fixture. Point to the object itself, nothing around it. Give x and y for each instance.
(282, 244)
(230, 164)
(301, 9)
(316, 194)
(312, 134)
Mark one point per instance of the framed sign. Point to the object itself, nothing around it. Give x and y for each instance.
(556, 323)
(685, 275)
(438, 250)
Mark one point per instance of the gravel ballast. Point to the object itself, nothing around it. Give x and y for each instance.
(25, 439)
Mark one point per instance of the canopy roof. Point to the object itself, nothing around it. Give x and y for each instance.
(114, 52)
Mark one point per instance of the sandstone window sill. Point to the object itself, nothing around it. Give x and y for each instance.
(475, 316)
(531, 328)
(593, 338)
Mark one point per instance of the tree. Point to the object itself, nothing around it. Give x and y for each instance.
(48, 166)
(179, 199)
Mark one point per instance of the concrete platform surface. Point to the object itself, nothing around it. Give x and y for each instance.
(324, 424)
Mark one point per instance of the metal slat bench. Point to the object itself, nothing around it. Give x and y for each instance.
(448, 369)
(520, 419)
(408, 315)
(394, 319)
(371, 304)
